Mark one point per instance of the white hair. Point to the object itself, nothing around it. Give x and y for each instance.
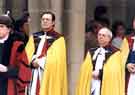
(106, 31)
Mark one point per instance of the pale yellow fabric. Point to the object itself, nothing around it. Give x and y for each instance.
(112, 83)
(124, 50)
(84, 82)
(55, 73)
(124, 55)
(30, 48)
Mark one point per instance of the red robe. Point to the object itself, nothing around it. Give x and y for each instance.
(10, 58)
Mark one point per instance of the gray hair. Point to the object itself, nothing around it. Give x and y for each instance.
(107, 31)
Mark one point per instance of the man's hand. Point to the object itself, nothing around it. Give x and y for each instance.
(35, 63)
(95, 74)
(3, 68)
(131, 67)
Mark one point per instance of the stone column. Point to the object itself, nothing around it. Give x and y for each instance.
(34, 9)
(45, 5)
(16, 8)
(1, 6)
(57, 8)
(74, 27)
(7, 5)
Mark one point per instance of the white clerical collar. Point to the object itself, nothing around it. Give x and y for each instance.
(4, 39)
(45, 36)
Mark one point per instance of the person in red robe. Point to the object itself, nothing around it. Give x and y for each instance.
(10, 52)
